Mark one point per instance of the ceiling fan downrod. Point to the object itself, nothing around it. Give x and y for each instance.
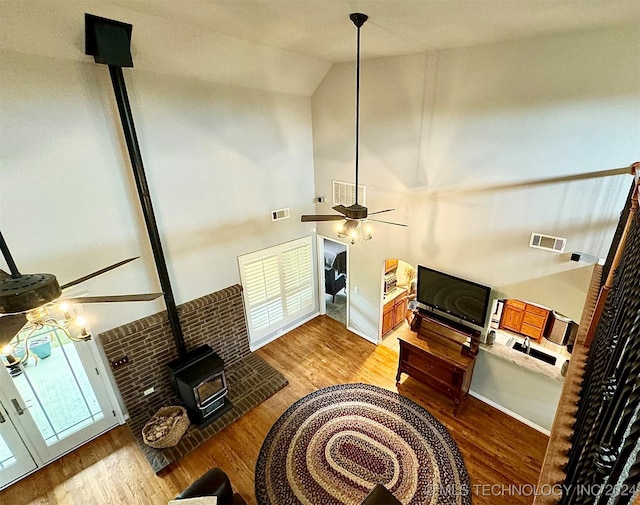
(15, 273)
(358, 20)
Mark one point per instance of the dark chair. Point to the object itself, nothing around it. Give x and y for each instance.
(379, 495)
(214, 482)
(340, 262)
(333, 282)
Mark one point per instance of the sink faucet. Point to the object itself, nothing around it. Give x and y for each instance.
(527, 345)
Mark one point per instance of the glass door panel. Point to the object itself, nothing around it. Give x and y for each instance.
(57, 398)
(15, 459)
(55, 387)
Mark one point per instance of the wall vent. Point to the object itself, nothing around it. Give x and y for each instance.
(277, 215)
(344, 193)
(547, 242)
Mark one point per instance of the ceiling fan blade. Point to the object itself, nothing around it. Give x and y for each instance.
(320, 217)
(380, 211)
(341, 208)
(10, 326)
(98, 272)
(389, 222)
(113, 298)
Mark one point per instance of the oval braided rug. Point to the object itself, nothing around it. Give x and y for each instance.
(335, 444)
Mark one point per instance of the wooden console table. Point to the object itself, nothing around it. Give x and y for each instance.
(438, 355)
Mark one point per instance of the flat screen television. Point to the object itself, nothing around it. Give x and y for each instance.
(452, 295)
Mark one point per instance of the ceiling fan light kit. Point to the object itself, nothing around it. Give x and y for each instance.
(354, 231)
(355, 226)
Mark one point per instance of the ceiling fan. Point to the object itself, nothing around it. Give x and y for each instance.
(353, 215)
(28, 299)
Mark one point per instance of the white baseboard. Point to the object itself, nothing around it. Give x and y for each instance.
(510, 413)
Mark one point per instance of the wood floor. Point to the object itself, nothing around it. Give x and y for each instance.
(497, 449)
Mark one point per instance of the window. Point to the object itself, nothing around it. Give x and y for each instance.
(278, 286)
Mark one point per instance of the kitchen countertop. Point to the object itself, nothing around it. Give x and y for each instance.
(393, 294)
(501, 350)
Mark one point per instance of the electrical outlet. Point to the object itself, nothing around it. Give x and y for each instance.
(119, 362)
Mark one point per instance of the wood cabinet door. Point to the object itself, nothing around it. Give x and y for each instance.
(512, 318)
(390, 265)
(534, 332)
(399, 311)
(387, 321)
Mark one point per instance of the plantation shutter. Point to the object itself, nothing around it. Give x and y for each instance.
(262, 288)
(278, 286)
(298, 279)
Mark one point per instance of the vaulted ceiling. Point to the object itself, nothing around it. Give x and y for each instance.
(321, 29)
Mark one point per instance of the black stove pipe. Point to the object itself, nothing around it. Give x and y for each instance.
(129, 130)
(109, 42)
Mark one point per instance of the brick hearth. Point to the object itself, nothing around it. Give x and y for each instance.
(216, 319)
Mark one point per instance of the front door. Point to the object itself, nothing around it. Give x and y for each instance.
(56, 398)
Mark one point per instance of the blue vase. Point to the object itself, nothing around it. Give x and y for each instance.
(41, 349)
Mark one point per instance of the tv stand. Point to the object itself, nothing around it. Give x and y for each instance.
(441, 354)
(428, 325)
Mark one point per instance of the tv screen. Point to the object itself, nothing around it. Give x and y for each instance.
(458, 297)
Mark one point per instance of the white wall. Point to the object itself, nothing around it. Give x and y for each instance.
(219, 157)
(524, 392)
(437, 128)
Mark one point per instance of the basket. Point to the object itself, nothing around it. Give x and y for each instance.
(166, 427)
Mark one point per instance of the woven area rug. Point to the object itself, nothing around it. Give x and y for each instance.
(334, 445)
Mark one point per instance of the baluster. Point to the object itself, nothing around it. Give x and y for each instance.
(628, 444)
(610, 394)
(591, 406)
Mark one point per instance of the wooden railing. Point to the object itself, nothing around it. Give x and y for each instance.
(602, 463)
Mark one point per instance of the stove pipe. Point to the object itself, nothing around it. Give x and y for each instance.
(109, 42)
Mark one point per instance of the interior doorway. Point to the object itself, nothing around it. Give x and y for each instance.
(398, 300)
(333, 279)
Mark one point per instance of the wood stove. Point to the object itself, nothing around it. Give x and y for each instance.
(200, 381)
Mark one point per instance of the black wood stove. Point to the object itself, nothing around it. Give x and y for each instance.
(200, 382)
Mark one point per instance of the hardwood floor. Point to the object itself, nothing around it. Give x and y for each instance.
(497, 449)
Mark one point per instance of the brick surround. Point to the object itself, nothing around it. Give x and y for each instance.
(216, 319)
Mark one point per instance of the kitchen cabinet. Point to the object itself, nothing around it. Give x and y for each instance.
(393, 312)
(512, 315)
(390, 265)
(524, 318)
(399, 310)
(388, 316)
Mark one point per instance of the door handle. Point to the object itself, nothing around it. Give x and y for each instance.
(17, 406)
